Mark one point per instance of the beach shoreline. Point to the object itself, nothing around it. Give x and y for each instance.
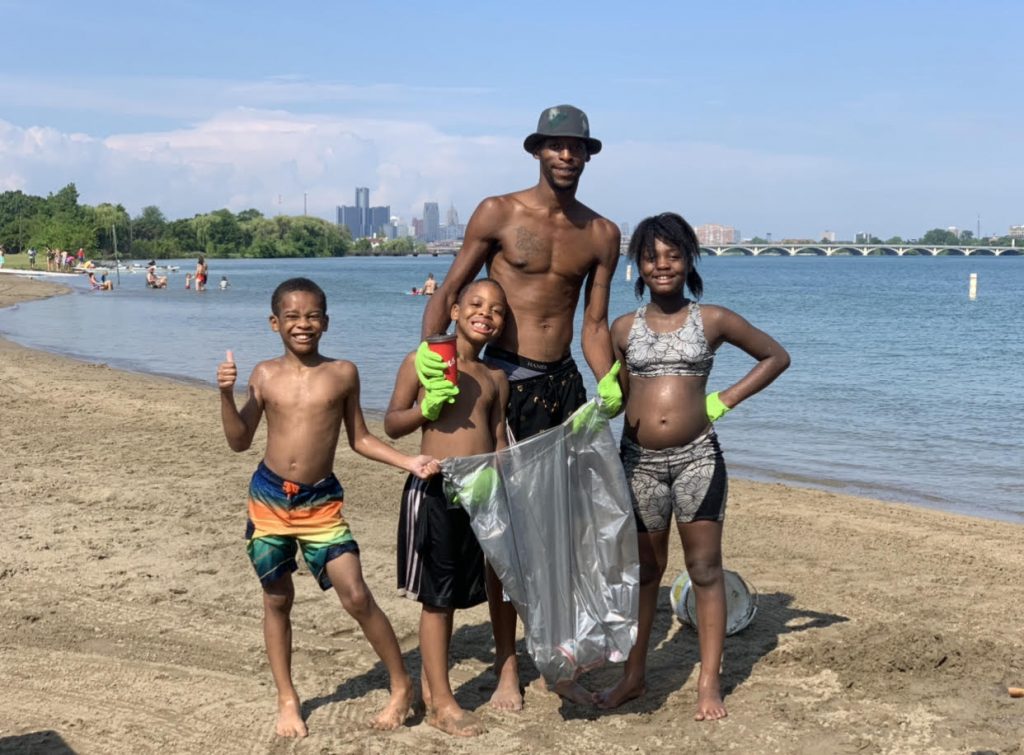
(131, 618)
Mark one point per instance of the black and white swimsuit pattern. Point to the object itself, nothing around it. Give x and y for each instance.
(683, 351)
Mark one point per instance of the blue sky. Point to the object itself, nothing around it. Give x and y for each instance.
(790, 118)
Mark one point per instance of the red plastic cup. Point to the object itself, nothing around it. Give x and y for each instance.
(444, 346)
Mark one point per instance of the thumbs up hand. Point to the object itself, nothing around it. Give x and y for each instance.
(227, 373)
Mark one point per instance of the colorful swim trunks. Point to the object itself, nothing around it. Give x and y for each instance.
(285, 516)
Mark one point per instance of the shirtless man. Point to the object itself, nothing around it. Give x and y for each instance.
(544, 247)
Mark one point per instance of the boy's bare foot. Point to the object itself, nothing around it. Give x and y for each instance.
(456, 721)
(627, 689)
(289, 718)
(709, 699)
(397, 711)
(508, 695)
(574, 692)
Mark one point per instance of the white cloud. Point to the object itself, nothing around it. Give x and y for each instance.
(249, 158)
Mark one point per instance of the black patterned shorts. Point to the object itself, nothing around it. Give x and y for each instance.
(688, 481)
(541, 395)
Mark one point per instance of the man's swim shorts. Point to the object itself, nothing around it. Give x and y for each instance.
(541, 394)
(285, 516)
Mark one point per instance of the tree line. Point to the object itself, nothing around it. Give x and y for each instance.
(59, 221)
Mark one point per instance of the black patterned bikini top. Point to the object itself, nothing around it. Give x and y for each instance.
(681, 352)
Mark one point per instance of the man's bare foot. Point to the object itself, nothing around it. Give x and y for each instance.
(456, 721)
(289, 718)
(574, 692)
(627, 689)
(709, 700)
(397, 711)
(508, 695)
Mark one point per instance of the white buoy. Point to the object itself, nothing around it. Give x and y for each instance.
(629, 271)
(972, 287)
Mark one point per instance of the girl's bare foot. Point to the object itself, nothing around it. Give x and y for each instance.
(508, 695)
(397, 711)
(289, 718)
(627, 689)
(709, 699)
(456, 721)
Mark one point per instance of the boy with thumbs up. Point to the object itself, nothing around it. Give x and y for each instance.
(295, 501)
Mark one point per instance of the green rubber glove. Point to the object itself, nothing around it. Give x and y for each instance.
(610, 391)
(479, 488)
(587, 418)
(428, 364)
(438, 393)
(715, 407)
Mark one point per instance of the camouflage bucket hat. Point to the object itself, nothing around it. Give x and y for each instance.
(562, 120)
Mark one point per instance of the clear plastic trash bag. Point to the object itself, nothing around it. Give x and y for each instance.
(553, 517)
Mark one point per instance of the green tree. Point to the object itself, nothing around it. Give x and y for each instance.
(19, 214)
(939, 236)
(109, 217)
(149, 225)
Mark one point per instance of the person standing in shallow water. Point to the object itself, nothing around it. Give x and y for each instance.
(545, 248)
(201, 273)
(670, 450)
(429, 285)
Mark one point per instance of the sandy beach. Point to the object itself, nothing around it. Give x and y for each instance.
(130, 617)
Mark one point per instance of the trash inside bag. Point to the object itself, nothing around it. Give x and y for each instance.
(553, 517)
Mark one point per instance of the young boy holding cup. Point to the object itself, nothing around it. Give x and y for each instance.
(440, 563)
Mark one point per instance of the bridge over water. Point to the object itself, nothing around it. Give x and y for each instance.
(817, 250)
(862, 250)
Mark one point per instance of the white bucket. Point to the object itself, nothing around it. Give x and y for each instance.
(740, 602)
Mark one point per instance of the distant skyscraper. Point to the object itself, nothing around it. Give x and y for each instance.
(363, 220)
(379, 217)
(829, 236)
(431, 221)
(624, 230)
(453, 216)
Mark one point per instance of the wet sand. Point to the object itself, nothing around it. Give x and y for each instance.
(130, 616)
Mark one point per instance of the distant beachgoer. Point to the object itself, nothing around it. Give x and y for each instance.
(32, 258)
(81, 255)
(670, 450)
(224, 285)
(152, 279)
(296, 501)
(201, 272)
(188, 281)
(2, 258)
(429, 285)
(103, 285)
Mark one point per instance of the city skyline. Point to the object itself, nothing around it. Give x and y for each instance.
(890, 117)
